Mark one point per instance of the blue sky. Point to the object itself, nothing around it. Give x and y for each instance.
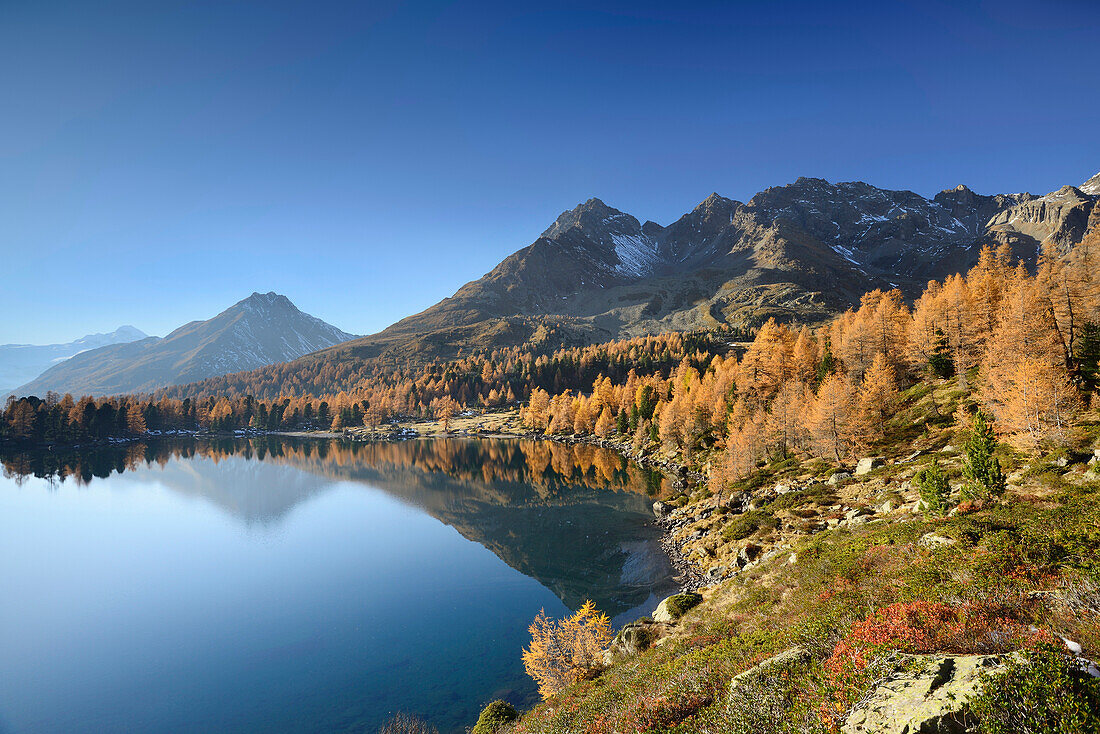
(160, 161)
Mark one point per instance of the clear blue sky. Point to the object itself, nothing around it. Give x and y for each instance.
(160, 161)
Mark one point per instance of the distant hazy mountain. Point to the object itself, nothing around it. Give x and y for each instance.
(20, 363)
(260, 330)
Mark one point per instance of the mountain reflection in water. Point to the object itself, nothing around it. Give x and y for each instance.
(576, 518)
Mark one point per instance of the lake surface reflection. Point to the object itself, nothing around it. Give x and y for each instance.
(291, 586)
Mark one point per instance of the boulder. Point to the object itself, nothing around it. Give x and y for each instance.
(675, 606)
(775, 665)
(837, 478)
(924, 693)
(631, 640)
(747, 554)
(855, 512)
(660, 508)
(933, 541)
(868, 464)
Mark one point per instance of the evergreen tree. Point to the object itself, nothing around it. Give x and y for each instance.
(934, 489)
(980, 467)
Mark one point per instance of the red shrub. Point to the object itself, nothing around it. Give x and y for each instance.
(919, 627)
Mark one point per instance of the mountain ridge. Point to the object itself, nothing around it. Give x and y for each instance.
(799, 251)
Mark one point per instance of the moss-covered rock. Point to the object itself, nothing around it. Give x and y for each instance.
(675, 606)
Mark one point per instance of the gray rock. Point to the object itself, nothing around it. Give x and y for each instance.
(747, 554)
(887, 506)
(631, 640)
(772, 666)
(933, 541)
(782, 488)
(660, 508)
(868, 464)
(855, 512)
(925, 693)
(837, 478)
(1061, 462)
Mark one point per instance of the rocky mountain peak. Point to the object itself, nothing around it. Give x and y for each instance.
(1092, 186)
(591, 215)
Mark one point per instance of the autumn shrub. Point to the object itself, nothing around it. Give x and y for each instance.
(917, 627)
(404, 723)
(818, 493)
(1042, 690)
(564, 652)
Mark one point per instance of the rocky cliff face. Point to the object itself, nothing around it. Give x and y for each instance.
(1060, 218)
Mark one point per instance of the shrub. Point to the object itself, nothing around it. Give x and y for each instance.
(934, 489)
(404, 723)
(918, 627)
(494, 716)
(748, 523)
(679, 604)
(564, 652)
(1041, 691)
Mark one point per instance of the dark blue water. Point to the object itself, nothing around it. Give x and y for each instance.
(302, 587)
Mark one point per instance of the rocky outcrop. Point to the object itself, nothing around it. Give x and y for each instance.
(925, 693)
(675, 606)
(1060, 218)
(775, 665)
(632, 639)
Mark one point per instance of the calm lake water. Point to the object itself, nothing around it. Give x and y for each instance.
(302, 586)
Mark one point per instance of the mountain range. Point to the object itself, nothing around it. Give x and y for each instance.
(801, 251)
(20, 363)
(260, 330)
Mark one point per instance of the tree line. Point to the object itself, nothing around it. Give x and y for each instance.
(491, 379)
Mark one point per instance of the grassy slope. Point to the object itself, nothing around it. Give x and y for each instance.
(1035, 553)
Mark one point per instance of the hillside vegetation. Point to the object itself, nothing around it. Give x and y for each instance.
(968, 534)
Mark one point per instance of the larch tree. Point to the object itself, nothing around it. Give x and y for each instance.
(563, 652)
(831, 422)
(605, 424)
(878, 395)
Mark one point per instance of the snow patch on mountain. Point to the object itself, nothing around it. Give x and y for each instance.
(637, 255)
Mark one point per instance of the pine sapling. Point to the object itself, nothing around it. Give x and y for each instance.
(935, 491)
(981, 468)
